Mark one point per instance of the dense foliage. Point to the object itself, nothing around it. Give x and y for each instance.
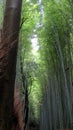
(49, 70)
(46, 48)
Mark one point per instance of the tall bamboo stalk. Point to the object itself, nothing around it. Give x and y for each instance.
(8, 54)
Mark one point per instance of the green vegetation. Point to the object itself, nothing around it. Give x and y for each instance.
(49, 68)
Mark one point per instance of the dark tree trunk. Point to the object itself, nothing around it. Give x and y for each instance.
(8, 54)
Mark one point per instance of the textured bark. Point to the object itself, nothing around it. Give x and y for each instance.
(18, 122)
(25, 85)
(8, 53)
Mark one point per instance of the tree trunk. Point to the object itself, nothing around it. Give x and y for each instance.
(8, 53)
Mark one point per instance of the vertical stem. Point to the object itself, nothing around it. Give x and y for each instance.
(8, 53)
(67, 98)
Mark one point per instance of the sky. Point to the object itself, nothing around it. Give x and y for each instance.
(35, 46)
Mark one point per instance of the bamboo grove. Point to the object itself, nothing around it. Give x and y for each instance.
(44, 69)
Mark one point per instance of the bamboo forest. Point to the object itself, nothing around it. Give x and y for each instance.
(36, 64)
